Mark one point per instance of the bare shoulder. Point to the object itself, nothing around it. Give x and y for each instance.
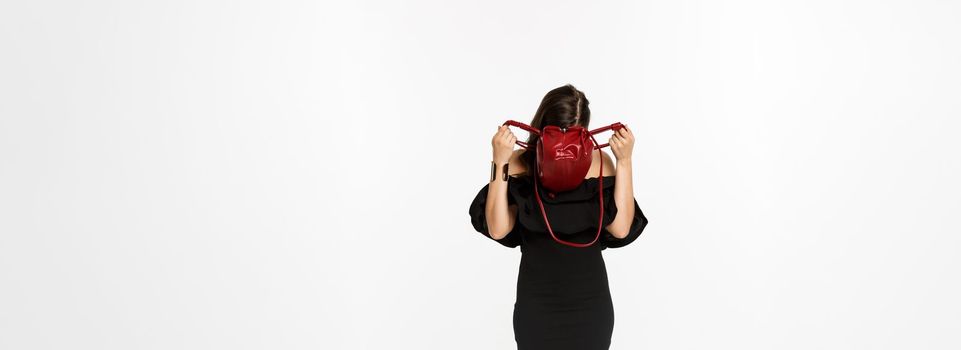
(608, 163)
(604, 160)
(517, 166)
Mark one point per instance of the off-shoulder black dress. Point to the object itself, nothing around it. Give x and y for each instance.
(563, 298)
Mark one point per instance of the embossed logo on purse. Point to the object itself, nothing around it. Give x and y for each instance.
(569, 151)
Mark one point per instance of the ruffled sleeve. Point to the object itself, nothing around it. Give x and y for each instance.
(478, 217)
(610, 212)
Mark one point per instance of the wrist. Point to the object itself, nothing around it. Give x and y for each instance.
(499, 168)
(624, 161)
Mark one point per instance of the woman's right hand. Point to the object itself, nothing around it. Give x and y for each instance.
(503, 144)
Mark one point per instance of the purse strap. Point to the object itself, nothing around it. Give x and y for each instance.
(526, 127)
(615, 127)
(600, 190)
(531, 129)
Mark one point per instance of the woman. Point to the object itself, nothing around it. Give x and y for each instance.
(563, 298)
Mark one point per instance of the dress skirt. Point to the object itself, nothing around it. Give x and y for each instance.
(563, 299)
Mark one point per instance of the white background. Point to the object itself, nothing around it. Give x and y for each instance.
(296, 175)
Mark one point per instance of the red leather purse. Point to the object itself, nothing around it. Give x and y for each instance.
(563, 159)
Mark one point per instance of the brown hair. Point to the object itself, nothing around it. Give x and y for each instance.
(564, 106)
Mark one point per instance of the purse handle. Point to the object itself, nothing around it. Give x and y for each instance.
(531, 129)
(600, 190)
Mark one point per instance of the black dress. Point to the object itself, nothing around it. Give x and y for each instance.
(563, 298)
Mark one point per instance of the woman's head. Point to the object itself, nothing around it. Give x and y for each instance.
(564, 107)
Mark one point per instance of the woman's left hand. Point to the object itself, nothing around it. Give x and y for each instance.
(622, 143)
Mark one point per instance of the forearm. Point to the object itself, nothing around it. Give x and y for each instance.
(623, 198)
(499, 220)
